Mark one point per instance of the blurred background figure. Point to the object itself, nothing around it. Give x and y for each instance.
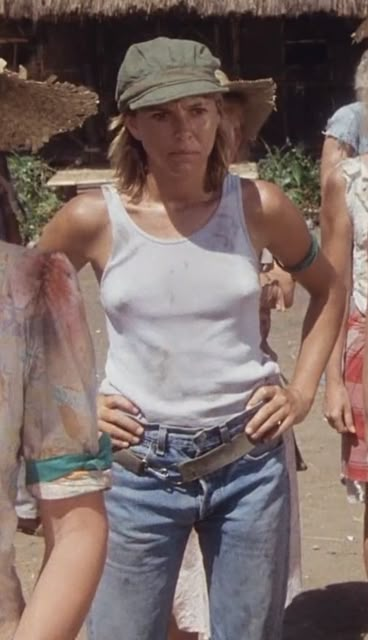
(346, 132)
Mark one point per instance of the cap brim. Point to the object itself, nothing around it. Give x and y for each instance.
(176, 91)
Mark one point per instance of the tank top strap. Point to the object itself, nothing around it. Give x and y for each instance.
(114, 205)
(121, 230)
(235, 203)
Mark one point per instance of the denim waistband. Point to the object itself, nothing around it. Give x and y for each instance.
(206, 437)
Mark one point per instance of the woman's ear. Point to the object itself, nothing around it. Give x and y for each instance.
(131, 123)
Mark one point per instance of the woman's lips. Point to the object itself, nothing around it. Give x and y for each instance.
(183, 153)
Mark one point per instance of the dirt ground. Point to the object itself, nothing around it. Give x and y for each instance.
(334, 605)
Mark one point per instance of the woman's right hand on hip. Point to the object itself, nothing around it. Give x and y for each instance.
(337, 408)
(118, 417)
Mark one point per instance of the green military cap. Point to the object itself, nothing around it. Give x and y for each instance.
(165, 69)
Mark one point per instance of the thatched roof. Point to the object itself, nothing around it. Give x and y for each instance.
(32, 112)
(38, 9)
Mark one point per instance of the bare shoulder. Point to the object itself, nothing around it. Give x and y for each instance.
(272, 219)
(79, 229)
(263, 197)
(271, 196)
(86, 212)
(81, 219)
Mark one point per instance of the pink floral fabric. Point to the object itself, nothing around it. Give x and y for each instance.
(47, 394)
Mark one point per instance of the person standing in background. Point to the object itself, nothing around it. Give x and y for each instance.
(48, 416)
(346, 132)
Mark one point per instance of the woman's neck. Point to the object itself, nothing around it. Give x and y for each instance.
(177, 194)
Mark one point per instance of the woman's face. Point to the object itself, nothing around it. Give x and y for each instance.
(177, 136)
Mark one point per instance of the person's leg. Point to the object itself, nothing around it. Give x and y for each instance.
(244, 538)
(149, 526)
(178, 634)
(295, 560)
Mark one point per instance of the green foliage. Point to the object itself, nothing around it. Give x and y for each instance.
(296, 173)
(30, 174)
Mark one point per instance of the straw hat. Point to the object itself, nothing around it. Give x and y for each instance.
(32, 112)
(361, 33)
(259, 100)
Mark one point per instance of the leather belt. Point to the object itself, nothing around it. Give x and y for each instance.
(196, 468)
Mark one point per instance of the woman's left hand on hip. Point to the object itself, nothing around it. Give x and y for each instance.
(282, 408)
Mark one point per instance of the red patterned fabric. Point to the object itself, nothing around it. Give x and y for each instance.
(354, 447)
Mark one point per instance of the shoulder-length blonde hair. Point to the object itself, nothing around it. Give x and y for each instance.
(129, 160)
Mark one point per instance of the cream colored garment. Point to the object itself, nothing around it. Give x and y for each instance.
(355, 171)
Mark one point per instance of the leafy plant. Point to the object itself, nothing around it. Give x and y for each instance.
(30, 174)
(296, 173)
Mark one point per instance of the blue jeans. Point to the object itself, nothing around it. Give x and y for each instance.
(241, 514)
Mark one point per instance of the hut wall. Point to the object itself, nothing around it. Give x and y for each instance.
(310, 57)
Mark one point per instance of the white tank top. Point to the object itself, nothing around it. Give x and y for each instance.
(183, 316)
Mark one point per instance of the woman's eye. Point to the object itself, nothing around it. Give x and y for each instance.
(159, 116)
(198, 111)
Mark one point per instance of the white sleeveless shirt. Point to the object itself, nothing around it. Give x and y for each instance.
(183, 316)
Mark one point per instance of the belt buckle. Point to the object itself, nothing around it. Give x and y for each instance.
(200, 436)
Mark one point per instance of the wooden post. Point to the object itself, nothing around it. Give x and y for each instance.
(217, 36)
(284, 89)
(235, 41)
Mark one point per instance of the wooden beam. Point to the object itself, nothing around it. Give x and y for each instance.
(11, 40)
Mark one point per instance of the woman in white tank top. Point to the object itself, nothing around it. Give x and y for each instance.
(175, 247)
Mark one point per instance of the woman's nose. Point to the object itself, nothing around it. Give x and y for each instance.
(181, 124)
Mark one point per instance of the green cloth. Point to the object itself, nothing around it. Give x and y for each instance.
(50, 469)
(308, 259)
(165, 69)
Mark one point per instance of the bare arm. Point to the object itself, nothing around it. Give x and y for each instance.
(67, 464)
(75, 535)
(337, 241)
(275, 222)
(323, 317)
(333, 152)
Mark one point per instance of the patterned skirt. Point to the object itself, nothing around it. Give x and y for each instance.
(354, 446)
